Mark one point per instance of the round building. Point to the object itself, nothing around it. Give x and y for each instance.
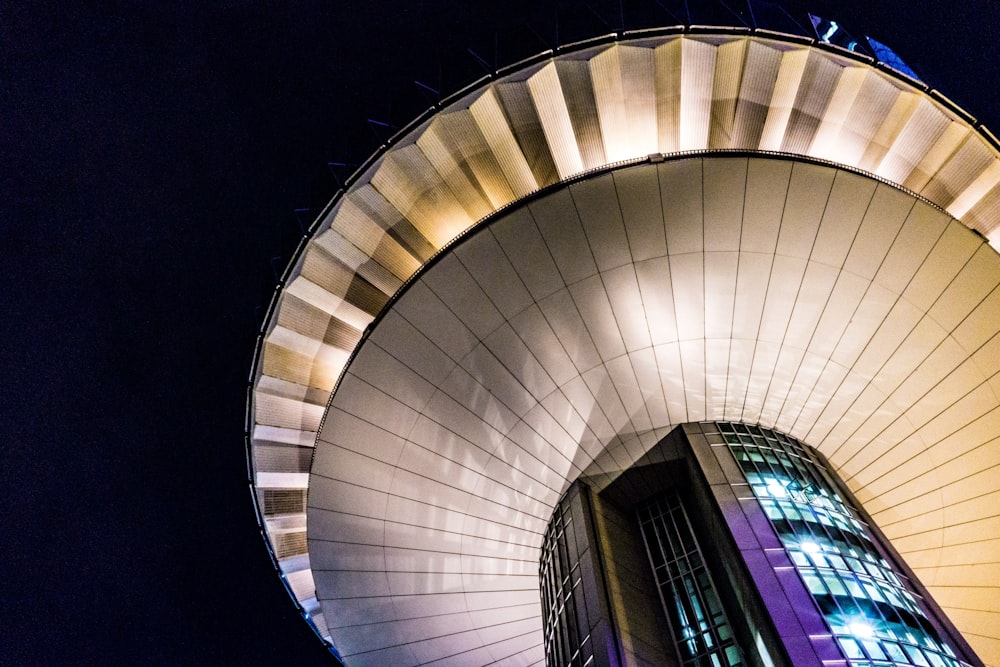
(538, 281)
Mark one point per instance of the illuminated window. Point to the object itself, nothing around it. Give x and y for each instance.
(701, 630)
(566, 641)
(868, 607)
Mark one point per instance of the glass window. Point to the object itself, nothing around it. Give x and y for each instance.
(851, 648)
(836, 562)
(799, 558)
(874, 649)
(935, 659)
(890, 57)
(855, 565)
(703, 635)
(873, 592)
(867, 606)
(895, 651)
(814, 583)
(834, 584)
(916, 655)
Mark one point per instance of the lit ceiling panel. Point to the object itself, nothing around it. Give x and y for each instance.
(826, 345)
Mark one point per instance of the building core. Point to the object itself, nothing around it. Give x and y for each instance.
(730, 545)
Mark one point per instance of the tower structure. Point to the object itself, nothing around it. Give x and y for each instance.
(732, 545)
(536, 282)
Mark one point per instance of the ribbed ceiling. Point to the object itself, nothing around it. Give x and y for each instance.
(571, 334)
(566, 337)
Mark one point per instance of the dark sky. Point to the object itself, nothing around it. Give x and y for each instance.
(152, 157)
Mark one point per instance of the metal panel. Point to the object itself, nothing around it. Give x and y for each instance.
(408, 181)
(667, 70)
(597, 203)
(526, 126)
(550, 103)
(463, 296)
(759, 75)
(697, 76)
(724, 185)
(850, 199)
(683, 202)
(494, 273)
(657, 299)
(729, 68)
(594, 305)
(578, 87)
(815, 90)
(808, 192)
(626, 101)
(626, 303)
(559, 224)
(440, 145)
(642, 212)
(503, 143)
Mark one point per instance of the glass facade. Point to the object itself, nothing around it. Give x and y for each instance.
(566, 623)
(730, 545)
(870, 609)
(701, 630)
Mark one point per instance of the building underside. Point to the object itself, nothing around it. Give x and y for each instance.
(544, 276)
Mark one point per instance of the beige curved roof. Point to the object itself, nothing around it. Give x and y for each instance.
(570, 333)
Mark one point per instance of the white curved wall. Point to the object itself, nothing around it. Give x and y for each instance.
(572, 333)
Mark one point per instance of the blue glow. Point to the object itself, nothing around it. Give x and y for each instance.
(830, 31)
(890, 58)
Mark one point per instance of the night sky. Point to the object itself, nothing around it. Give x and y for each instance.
(154, 156)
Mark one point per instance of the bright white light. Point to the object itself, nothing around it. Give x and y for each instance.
(862, 630)
(809, 547)
(776, 489)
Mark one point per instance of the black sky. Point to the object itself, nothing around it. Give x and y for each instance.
(152, 157)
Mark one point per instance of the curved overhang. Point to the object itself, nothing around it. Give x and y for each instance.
(543, 277)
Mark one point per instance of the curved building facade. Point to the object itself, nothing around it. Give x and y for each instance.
(731, 545)
(540, 279)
